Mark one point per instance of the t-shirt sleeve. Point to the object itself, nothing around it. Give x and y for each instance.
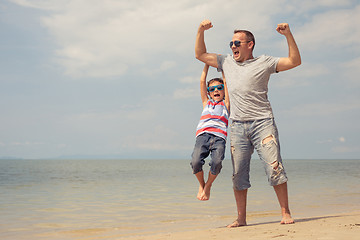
(220, 61)
(272, 63)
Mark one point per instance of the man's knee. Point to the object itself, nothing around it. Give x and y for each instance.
(277, 173)
(241, 181)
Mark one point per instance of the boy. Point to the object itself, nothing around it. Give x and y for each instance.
(211, 131)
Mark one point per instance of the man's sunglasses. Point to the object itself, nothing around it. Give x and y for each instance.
(237, 43)
(219, 88)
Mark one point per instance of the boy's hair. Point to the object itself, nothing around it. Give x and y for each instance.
(215, 80)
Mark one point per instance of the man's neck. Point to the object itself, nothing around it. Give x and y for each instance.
(246, 58)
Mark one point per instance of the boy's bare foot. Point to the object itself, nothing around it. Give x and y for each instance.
(200, 193)
(287, 219)
(237, 223)
(206, 193)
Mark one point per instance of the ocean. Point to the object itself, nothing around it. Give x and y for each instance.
(116, 199)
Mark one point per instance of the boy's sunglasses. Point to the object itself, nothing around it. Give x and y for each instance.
(219, 88)
(237, 43)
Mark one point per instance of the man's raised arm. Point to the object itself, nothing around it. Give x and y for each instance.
(294, 58)
(200, 47)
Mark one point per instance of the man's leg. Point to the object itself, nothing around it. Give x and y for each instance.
(282, 195)
(241, 151)
(240, 198)
(267, 145)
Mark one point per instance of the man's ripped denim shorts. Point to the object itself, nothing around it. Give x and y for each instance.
(261, 135)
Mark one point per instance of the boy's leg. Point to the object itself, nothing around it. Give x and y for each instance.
(200, 178)
(217, 156)
(207, 187)
(201, 151)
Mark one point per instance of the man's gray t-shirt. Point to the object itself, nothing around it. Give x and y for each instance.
(247, 84)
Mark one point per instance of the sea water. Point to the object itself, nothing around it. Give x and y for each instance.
(114, 199)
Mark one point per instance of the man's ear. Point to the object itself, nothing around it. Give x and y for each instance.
(251, 45)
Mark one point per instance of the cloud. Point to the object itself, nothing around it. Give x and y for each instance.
(304, 75)
(324, 141)
(340, 139)
(332, 29)
(189, 79)
(26, 143)
(163, 67)
(108, 38)
(158, 138)
(106, 122)
(43, 4)
(351, 71)
(324, 109)
(151, 46)
(307, 6)
(185, 93)
(345, 149)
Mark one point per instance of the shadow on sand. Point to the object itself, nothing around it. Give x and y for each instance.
(297, 220)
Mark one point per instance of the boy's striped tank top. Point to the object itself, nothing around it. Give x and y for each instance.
(214, 119)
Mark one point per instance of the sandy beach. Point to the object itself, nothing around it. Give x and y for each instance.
(340, 226)
(62, 200)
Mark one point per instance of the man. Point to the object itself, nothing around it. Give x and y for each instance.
(253, 125)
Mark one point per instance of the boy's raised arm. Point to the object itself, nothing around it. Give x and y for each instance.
(227, 100)
(203, 88)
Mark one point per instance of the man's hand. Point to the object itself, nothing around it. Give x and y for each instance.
(283, 28)
(205, 25)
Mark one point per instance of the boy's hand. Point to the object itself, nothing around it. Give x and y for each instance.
(205, 25)
(283, 28)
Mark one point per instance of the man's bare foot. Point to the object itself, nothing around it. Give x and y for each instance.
(237, 223)
(287, 219)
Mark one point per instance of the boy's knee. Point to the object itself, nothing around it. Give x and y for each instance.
(216, 162)
(215, 167)
(197, 165)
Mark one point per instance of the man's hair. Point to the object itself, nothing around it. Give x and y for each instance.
(249, 35)
(215, 80)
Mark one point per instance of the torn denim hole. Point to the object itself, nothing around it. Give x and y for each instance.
(269, 139)
(275, 165)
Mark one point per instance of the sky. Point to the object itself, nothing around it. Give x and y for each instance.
(119, 79)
